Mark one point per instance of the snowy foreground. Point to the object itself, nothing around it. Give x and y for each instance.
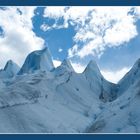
(39, 98)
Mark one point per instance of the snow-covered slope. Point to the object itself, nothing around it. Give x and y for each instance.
(121, 115)
(105, 90)
(37, 60)
(49, 100)
(58, 100)
(40, 102)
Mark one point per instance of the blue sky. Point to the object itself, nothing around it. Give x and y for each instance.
(109, 35)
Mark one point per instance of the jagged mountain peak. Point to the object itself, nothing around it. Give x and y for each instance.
(92, 66)
(64, 68)
(10, 64)
(85, 96)
(92, 63)
(40, 52)
(37, 60)
(10, 69)
(67, 64)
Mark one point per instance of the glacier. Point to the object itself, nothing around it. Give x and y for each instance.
(10, 70)
(39, 98)
(37, 60)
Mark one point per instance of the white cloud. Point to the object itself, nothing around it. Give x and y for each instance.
(19, 39)
(73, 15)
(107, 27)
(56, 63)
(93, 47)
(45, 27)
(97, 28)
(137, 11)
(115, 76)
(60, 50)
(73, 51)
(122, 32)
(54, 11)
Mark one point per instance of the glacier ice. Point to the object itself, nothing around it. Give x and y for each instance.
(10, 70)
(38, 98)
(37, 60)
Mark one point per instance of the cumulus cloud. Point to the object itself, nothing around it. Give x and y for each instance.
(97, 28)
(19, 39)
(115, 76)
(54, 11)
(72, 15)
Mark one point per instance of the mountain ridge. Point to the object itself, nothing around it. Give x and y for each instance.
(43, 99)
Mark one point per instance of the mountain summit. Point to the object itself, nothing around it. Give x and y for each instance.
(9, 70)
(104, 89)
(64, 68)
(37, 60)
(92, 66)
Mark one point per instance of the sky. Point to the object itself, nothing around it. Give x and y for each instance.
(108, 35)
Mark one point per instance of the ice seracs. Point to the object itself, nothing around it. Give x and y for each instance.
(63, 68)
(10, 70)
(37, 60)
(59, 100)
(92, 66)
(67, 65)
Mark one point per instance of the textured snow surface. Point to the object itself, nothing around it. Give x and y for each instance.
(44, 99)
(41, 102)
